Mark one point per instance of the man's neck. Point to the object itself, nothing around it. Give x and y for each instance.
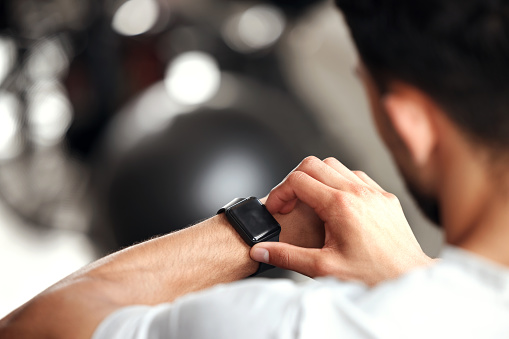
(475, 205)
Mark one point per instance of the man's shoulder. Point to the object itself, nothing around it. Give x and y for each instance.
(462, 295)
(458, 277)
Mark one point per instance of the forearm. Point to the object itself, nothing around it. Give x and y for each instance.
(153, 272)
(162, 269)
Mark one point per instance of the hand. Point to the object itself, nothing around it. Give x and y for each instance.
(301, 227)
(367, 236)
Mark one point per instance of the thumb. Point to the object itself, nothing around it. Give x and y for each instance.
(283, 255)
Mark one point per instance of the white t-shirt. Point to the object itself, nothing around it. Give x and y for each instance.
(462, 296)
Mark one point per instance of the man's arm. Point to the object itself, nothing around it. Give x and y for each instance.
(367, 238)
(149, 273)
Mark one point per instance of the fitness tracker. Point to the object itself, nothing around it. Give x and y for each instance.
(250, 218)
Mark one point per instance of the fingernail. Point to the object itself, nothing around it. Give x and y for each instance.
(261, 254)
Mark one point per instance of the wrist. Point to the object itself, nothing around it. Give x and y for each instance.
(243, 264)
(253, 222)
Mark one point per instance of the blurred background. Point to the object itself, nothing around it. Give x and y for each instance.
(125, 119)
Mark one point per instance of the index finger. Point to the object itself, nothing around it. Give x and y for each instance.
(301, 186)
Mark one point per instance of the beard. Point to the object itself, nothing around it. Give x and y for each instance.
(427, 203)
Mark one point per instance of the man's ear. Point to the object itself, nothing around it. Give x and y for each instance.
(413, 119)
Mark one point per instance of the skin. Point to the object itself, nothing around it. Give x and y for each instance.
(150, 273)
(367, 237)
(335, 222)
(364, 225)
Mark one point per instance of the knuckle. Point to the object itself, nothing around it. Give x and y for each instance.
(295, 177)
(282, 258)
(360, 174)
(390, 196)
(362, 191)
(308, 161)
(330, 160)
(340, 198)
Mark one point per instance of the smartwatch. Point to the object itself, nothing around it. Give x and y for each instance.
(251, 219)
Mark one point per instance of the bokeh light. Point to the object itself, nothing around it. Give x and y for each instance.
(7, 57)
(49, 113)
(193, 78)
(47, 60)
(9, 126)
(243, 169)
(136, 17)
(256, 28)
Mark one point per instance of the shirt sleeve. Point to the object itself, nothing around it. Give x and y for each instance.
(254, 308)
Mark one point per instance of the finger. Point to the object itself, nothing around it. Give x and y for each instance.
(343, 170)
(288, 206)
(299, 186)
(318, 170)
(286, 256)
(367, 179)
(322, 172)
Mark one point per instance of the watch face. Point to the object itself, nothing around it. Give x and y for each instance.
(254, 219)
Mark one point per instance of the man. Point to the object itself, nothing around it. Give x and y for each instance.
(438, 79)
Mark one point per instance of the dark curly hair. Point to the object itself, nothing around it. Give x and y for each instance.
(456, 51)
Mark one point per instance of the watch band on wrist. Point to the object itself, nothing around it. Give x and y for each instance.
(230, 204)
(250, 218)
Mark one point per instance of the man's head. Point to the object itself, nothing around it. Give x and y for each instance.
(434, 59)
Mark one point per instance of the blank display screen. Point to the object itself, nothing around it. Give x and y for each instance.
(256, 219)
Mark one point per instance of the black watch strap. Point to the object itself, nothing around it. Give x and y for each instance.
(263, 267)
(230, 204)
